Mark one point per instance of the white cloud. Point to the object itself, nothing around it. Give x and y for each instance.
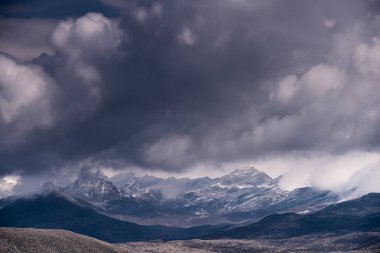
(140, 14)
(314, 83)
(367, 57)
(363, 181)
(287, 88)
(81, 41)
(8, 183)
(25, 95)
(170, 151)
(26, 91)
(187, 37)
(25, 38)
(90, 34)
(337, 172)
(90, 77)
(320, 79)
(329, 23)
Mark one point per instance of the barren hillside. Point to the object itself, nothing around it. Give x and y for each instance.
(50, 240)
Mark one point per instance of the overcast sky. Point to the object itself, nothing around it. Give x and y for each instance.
(191, 87)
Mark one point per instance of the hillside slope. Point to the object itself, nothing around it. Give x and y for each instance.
(51, 240)
(56, 212)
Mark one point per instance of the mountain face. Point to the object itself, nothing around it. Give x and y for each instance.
(359, 215)
(54, 211)
(243, 195)
(95, 189)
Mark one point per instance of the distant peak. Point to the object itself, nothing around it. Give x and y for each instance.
(249, 173)
(246, 170)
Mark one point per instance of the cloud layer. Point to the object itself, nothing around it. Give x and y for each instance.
(25, 99)
(171, 85)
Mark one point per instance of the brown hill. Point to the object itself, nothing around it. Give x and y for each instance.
(51, 240)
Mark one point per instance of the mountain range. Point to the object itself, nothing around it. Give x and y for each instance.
(244, 204)
(244, 195)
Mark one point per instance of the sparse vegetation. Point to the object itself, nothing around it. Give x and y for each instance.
(355, 242)
(17, 240)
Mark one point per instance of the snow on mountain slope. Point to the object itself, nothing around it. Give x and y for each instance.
(243, 195)
(95, 189)
(243, 190)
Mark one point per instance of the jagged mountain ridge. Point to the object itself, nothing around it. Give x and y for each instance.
(243, 195)
(96, 189)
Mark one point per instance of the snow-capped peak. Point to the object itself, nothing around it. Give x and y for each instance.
(246, 176)
(94, 188)
(246, 171)
(243, 190)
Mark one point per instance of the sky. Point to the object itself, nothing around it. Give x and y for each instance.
(191, 88)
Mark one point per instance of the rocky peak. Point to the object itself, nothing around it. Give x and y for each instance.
(246, 176)
(245, 171)
(93, 188)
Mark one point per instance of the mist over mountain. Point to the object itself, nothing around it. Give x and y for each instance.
(357, 215)
(130, 208)
(244, 195)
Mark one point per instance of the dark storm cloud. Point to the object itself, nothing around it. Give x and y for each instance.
(173, 83)
(52, 8)
(24, 40)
